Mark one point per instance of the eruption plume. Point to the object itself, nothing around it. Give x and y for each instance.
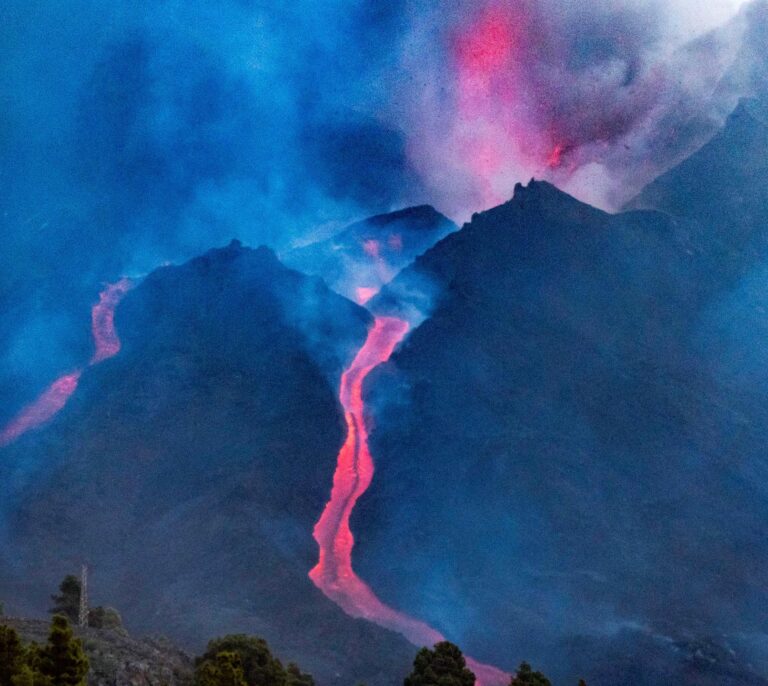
(55, 397)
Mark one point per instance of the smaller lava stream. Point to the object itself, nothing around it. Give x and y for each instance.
(52, 399)
(333, 574)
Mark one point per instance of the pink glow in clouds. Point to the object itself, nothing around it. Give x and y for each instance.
(55, 397)
(487, 97)
(334, 574)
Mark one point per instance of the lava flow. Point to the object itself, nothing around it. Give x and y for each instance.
(52, 399)
(333, 574)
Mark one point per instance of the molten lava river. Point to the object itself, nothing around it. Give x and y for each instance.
(52, 399)
(333, 574)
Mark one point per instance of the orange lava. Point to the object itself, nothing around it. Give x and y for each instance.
(53, 398)
(334, 574)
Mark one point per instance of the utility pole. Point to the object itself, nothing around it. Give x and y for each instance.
(82, 618)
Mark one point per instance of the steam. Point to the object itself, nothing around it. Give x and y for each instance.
(143, 133)
(597, 97)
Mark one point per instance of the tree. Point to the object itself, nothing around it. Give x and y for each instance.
(11, 655)
(62, 659)
(295, 677)
(105, 618)
(527, 677)
(260, 667)
(226, 669)
(443, 666)
(67, 602)
(27, 676)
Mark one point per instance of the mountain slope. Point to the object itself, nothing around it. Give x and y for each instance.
(361, 258)
(724, 185)
(555, 457)
(189, 469)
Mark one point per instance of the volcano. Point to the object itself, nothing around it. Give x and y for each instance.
(106, 344)
(579, 454)
(197, 460)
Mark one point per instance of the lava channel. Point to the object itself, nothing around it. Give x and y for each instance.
(52, 399)
(333, 574)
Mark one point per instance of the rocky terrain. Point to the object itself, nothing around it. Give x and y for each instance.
(117, 659)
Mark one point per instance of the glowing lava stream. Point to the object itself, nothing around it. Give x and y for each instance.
(333, 574)
(53, 398)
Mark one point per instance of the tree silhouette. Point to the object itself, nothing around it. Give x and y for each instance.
(443, 666)
(295, 677)
(67, 602)
(62, 659)
(260, 667)
(527, 677)
(226, 669)
(11, 655)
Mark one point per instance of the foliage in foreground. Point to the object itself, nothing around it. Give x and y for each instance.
(232, 660)
(60, 662)
(446, 666)
(240, 660)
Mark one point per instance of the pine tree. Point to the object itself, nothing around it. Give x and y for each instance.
(260, 667)
(67, 602)
(11, 655)
(29, 676)
(295, 677)
(226, 669)
(443, 666)
(62, 659)
(527, 677)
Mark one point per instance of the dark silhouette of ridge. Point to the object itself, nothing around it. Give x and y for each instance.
(188, 470)
(567, 471)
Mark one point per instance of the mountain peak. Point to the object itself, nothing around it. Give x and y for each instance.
(538, 199)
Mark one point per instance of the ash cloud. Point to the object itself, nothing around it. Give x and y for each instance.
(597, 97)
(137, 133)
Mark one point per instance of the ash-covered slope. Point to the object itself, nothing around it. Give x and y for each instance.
(563, 472)
(724, 185)
(188, 470)
(361, 258)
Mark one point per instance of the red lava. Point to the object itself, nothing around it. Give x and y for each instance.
(105, 339)
(333, 574)
(53, 398)
(41, 410)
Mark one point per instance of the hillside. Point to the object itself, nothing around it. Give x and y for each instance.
(724, 186)
(117, 659)
(558, 462)
(189, 469)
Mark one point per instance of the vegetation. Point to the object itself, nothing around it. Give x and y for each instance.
(105, 618)
(60, 662)
(11, 655)
(443, 666)
(527, 677)
(67, 602)
(231, 660)
(240, 660)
